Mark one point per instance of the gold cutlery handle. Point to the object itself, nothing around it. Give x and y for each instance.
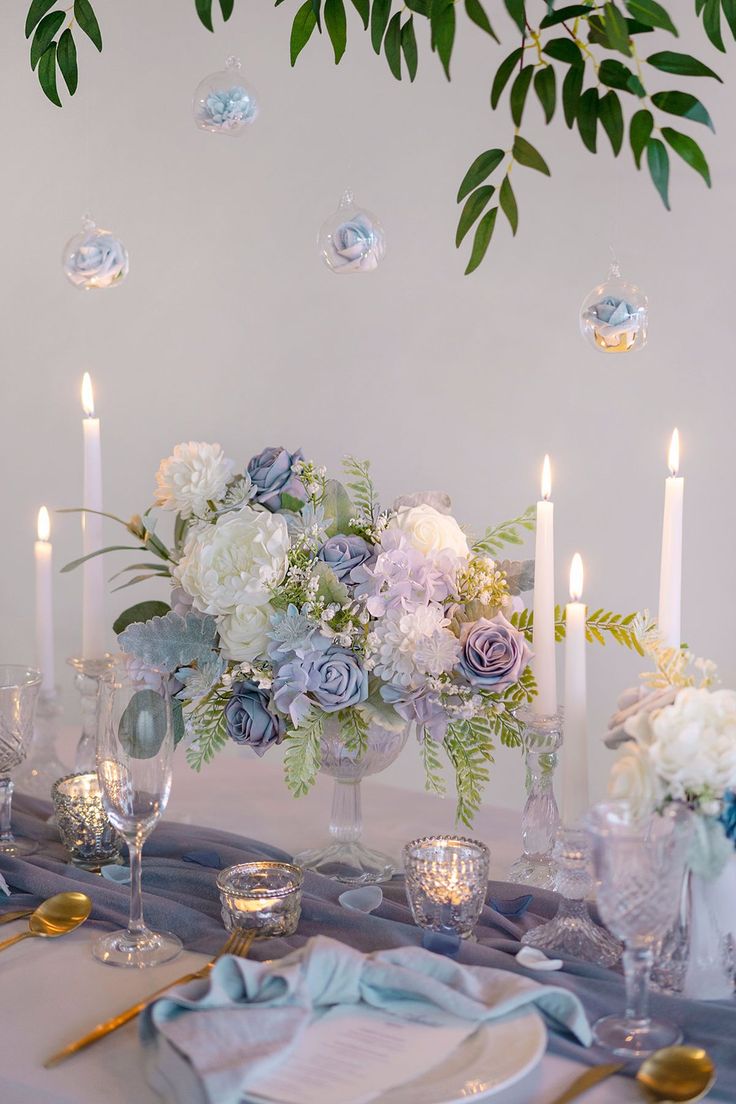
(8, 917)
(15, 939)
(121, 1019)
(587, 1080)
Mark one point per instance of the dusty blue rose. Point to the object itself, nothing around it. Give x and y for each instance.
(728, 815)
(337, 680)
(272, 476)
(249, 719)
(343, 553)
(494, 653)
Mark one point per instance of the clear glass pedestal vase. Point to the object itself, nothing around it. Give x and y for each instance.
(88, 673)
(572, 933)
(42, 766)
(540, 818)
(345, 857)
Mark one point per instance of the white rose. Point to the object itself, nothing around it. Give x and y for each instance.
(244, 634)
(234, 562)
(694, 743)
(633, 779)
(430, 531)
(194, 475)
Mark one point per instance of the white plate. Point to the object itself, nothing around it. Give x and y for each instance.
(493, 1058)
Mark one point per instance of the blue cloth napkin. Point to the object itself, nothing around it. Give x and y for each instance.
(209, 1044)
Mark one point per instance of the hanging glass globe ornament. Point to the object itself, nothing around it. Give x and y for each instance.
(224, 103)
(94, 258)
(352, 240)
(614, 315)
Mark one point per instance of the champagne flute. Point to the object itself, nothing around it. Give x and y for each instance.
(135, 746)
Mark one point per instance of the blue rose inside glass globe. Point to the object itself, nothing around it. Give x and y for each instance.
(352, 239)
(94, 258)
(615, 315)
(224, 103)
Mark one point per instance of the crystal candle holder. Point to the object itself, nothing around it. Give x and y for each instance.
(265, 897)
(446, 883)
(89, 673)
(540, 817)
(85, 831)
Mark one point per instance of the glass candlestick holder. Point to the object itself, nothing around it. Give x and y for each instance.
(540, 818)
(89, 673)
(572, 932)
(43, 766)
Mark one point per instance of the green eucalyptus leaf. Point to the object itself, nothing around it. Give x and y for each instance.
(141, 611)
(652, 14)
(545, 85)
(525, 153)
(337, 27)
(144, 725)
(572, 86)
(482, 240)
(477, 14)
(227, 7)
(481, 168)
(66, 56)
(689, 151)
(507, 200)
(614, 74)
(617, 30)
(36, 12)
(588, 118)
(409, 47)
(503, 73)
(729, 11)
(564, 49)
(363, 8)
(442, 21)
(659, 167)
(317, 9)
(204, 11)
(177, 721)
(682, 65)
(47, 74)
(302, 29)
(640, 131)
(44, 36)
(572, 11)
(519, 92)
(392, 45)
(419, 7)
(515, 8)
(472, 210)
(87, 22)
(682, 103)
(380, 13)
(612, 120)
(712, 23)
(337, 507)
(636, 27)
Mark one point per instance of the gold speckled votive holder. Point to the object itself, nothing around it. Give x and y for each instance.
(85, 831)
(265, 897)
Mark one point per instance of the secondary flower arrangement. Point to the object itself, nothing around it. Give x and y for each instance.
(297, 600)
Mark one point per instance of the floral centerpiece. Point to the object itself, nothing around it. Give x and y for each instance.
(299, 601)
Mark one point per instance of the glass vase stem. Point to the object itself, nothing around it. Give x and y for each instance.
(637, 968)
(6, 803)
(346, 818)
(136, 924)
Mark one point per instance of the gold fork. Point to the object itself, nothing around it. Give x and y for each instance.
(238, 943)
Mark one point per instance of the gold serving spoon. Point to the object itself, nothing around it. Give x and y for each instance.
(58, 915)
(673, 1075)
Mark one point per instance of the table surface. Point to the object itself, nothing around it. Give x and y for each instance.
(57, 991)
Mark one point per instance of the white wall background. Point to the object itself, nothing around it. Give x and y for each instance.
(229, 328)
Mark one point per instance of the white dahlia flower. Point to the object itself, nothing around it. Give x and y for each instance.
(194, 475)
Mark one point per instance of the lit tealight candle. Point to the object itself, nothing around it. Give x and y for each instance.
(543, 636)
(43, 555)
(575, 748)
(670, 578)
(93, 586)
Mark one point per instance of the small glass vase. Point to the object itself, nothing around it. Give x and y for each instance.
(19, 689)
(43, 767)
(89, 673)
(540, 818)
(346, 858)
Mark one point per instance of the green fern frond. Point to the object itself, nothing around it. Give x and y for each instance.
(208, 725)
(494, 539)
(600, 624)
(303, 754)
(469, 746)
(354, 731)
(434, 781)
(363, 490)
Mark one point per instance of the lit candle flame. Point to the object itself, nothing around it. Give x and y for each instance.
(576, 577)
(88, 398)
(546, 479)
(673, 457)
(44, 524)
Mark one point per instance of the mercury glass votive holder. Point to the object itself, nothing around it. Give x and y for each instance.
(446, 883)
(261, 896)
(85, 831)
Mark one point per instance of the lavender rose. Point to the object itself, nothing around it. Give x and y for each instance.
(272, 476)
(249, 719)
(343, 553)
(494, 653)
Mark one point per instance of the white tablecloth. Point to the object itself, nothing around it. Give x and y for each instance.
(53, 992)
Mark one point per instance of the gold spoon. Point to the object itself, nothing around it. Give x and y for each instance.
(58, 915)
(673, 1075)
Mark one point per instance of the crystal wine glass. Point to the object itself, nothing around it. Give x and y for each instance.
(639, 864)
(19, 687)
(135, 745)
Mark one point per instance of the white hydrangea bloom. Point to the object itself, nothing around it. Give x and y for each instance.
(408, 646)
(234, 562)
(194, 475)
